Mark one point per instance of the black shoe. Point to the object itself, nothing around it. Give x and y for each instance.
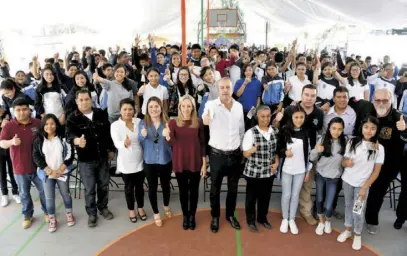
(233, 222)
(253, 227)
(133, 219)
(266, 224)
(92, 221)
(108, 215)
(192, 223)
(398, 224)
(185, 223)
(215, 225)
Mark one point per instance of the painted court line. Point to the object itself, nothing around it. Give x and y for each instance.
(21, 249)
(239, 251)
(13, 221)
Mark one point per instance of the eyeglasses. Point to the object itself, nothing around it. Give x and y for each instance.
(379, 101)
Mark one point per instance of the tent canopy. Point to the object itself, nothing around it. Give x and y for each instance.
(125, 18)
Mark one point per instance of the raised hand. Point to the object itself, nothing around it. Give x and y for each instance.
(319, 148)
(127, 142)
(289, 153)
(401, 124)
(82, 141)
(207, 117)
(16, 140)
(348, 162)
(280, 115)
(137, 40)
(144, 132)
(166, 131)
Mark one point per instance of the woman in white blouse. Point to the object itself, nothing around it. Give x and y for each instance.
(130, 157)
(355, 83)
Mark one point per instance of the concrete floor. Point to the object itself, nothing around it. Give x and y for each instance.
(81, 240)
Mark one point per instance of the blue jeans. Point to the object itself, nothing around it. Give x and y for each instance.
(49, 189)
(330, 185)
(352, 219)
(24, 187)
(291, 186)
(95, 178)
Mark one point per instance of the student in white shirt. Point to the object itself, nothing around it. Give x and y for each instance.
(130, 162)
(154, 89)
(364, 158)
(326, 84)
(355, 83)
(226, 124)
(385, 80)
(294, 148)
(54, 156)
(295, 84)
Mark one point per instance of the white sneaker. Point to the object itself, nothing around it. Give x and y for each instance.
(320, 229)
(293, 227)
(357, 243)
(17, 199)
(344, 236)
(4, 201)
(284, 226)
(327, 228)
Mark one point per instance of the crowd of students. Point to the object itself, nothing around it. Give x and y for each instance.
(253, 112)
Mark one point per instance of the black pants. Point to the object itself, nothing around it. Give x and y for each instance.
(6, 166)
(402, 205)
(221, 166)
(377, 192)
(188, 183)
(258, 191)
(134, 187)
(153, 171)
(95, 178)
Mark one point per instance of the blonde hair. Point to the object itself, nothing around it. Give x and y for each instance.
(163, 116)
(194, 114)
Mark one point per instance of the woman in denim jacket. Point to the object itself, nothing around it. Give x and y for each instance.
(53, 157)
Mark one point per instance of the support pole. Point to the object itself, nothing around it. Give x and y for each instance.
(202, 23)
(184, 33)
(207, 24)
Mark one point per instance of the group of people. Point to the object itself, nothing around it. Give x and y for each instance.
(251, 113)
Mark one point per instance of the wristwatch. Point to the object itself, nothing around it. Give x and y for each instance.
(48, 171)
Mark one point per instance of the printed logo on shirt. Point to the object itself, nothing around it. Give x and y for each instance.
(315, 122)
(385, 133)
(34, 130)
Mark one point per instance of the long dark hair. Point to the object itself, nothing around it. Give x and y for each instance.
(357, 141)
(327, 141)
(189, 84)
(361, 77)
(288, 128)
(41, 134)
(88, 84)
(126, 83)
(55, 84)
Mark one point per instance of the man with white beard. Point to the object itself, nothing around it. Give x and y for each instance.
(391, 132)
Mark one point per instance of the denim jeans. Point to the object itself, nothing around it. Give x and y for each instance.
(330, 185)
(24, 186)
(49, 189)
(291, 187)
(352, 219)
(95, 178)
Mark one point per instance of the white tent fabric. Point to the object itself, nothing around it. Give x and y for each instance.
(123, 17)
(117, 22)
